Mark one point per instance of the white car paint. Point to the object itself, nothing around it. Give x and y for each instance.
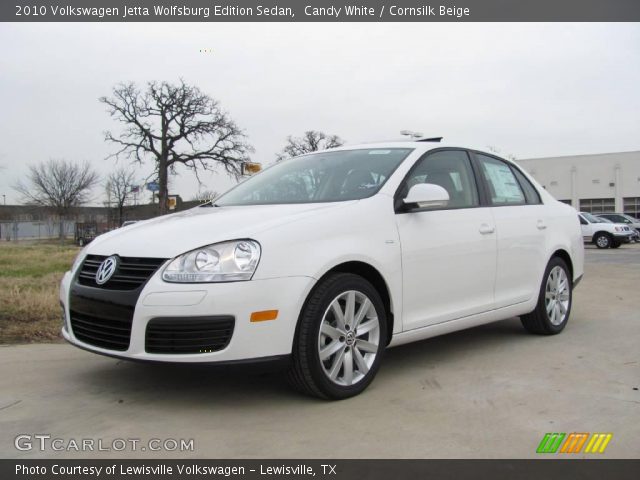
(591, 226)
(444, 270)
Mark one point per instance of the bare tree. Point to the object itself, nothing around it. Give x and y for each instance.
(173, 125)
(119, 188)
(311, 141)
(60, 185)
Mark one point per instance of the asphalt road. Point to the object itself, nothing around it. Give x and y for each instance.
(489, 392)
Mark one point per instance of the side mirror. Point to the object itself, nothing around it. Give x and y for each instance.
(426, 195)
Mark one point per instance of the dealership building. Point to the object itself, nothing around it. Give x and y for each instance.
(600, 183)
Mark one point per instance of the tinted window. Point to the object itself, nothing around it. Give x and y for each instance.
(450, 169)
(320, 177)
(582, 221)
(617, 218)
(504, 189)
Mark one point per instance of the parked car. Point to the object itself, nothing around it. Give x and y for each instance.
(85, 233)
(603, 233)
(327, 259)
(634, 233)
(624, 219)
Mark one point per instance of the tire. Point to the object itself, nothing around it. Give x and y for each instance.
(356, 356)
(548, 317)
(602, 240)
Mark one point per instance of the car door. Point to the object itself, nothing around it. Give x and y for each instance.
(448, 254)
(521, 228)
(587, 229)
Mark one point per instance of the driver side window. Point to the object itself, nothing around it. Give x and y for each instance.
(450, 169)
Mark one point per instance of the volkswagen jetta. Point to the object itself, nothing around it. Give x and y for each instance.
(327, 259)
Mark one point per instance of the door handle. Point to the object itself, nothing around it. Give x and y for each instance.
(541, 225)
(485, 229)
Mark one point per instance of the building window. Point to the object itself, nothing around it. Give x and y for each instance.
(598, 205)
(631, 206)
(568, 202)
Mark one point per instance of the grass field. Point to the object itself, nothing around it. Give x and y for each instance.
(30, 276)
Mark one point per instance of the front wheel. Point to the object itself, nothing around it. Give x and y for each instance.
(340, 339)
(554, 302)
(603, 240)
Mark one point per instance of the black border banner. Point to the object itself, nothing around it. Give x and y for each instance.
(320, 11)
(548, 469)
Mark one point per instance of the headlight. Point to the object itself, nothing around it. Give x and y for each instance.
(79, 258)
(220, 262)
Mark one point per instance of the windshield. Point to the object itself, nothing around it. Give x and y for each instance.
(329, 176)
(594, 219)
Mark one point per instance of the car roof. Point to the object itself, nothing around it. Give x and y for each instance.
(421, 146)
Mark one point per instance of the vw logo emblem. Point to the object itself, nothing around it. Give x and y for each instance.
(106, 269)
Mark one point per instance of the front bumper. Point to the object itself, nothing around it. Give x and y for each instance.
(250, 340)
(623, 237)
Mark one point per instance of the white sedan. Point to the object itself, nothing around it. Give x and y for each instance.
(327, 259)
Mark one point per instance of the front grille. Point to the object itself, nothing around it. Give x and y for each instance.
(109, 333)
(132, 272)
(188, 334)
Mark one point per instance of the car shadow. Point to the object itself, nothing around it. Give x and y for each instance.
(198, 385)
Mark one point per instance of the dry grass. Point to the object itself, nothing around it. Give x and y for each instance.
(30, 275)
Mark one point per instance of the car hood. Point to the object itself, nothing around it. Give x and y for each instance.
(171, 235)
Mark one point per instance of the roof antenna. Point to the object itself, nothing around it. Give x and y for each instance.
(416, 136)
(409, 133)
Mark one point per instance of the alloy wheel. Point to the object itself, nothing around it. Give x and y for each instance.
(602, 241)
(557, 295)
(349, 338)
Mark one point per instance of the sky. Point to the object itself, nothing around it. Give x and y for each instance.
(527, 90)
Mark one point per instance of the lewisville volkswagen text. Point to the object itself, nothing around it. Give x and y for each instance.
(326, 259)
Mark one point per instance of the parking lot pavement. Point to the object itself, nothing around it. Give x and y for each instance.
(630, 254)
(493, 391)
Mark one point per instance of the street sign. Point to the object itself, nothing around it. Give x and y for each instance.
(153, 186)
(249, 168)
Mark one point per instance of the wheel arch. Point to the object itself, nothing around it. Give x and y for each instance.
(602, 232)
(564, 256)
(373, 276)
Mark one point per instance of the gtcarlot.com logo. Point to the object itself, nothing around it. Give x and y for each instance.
(574, 443)
(45, 442)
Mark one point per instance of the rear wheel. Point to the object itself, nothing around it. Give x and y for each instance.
(554, 302)
(603, 240)
(340, 338)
